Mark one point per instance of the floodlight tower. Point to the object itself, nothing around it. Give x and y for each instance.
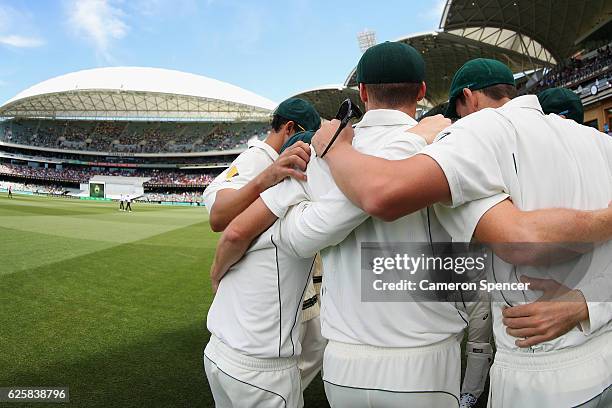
(366, 39)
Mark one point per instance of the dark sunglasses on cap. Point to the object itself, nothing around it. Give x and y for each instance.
(348, 110)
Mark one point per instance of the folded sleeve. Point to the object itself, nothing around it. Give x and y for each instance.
(461, 222)
(320, 224)
(280, 197)
(248, 165)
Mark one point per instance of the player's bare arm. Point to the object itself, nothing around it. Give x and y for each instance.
(544, 319)
(542, 237)
(229, 202)
(429, 128)
(237, 238)
(386, 189)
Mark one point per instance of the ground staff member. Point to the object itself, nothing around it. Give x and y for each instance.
(539, 161)
(256, 169)
(252, 357)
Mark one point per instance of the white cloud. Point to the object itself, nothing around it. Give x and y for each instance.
(99, 21)
(20, 41)
(14, 24)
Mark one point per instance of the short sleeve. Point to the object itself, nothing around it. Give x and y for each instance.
(315, 225)
(469, 156)
(283, 195)
(245, 168)
(461, 222)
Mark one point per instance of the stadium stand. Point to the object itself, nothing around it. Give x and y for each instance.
(577, 70)
(74, 175)
(130, 137)
(53, 189)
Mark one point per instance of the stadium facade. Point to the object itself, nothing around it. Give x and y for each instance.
(175, 128)
(180, 130)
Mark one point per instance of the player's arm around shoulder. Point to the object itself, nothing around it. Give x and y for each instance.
(386, 189)
(542, 237)
(245, 182)
(238, 236)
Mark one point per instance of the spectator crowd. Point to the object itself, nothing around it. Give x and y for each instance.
(130, 137)
(570, 73)
(158, 177)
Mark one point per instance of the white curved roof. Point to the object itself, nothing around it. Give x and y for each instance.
(166, 85)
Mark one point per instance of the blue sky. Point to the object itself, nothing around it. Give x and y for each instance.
(274, 48)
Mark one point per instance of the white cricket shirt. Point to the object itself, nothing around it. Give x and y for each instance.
(248, 165)
(329, 218)
(258, 304)
(540, 161)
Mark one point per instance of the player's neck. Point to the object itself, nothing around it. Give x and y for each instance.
(275, 140)
(409, 110)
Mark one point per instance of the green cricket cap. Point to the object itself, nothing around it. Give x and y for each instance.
(301, 112)
(390, 62)
(305, 137)
(562, 101)
(477, 74)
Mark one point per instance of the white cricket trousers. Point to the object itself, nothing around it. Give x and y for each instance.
(360, 376)
(239, 381)
(555, 379)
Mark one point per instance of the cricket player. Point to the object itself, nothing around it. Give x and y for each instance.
(256, 169)
(562, 102)
(331, 224)
(374, 349)
(121, 207)
(10, 191)
(505, 147)
(256, 339)
(260, 166)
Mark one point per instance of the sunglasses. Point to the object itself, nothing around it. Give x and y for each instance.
(348, 110)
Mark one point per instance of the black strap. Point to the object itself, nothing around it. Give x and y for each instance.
(310, 302)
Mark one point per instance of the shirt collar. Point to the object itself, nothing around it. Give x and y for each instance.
(264, 146)
(525, 101)
(385, 117)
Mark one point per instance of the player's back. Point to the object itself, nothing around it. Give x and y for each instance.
(549, 162)
(256, 308)
(346, 317)
(571, 164)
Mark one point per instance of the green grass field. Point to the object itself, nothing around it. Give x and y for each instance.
(111, 304)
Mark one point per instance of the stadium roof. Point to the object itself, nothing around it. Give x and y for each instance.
(445, 52)
(327, 99)
(137, 93)
(558, 26)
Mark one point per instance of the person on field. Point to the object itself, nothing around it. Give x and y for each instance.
(128, 203)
